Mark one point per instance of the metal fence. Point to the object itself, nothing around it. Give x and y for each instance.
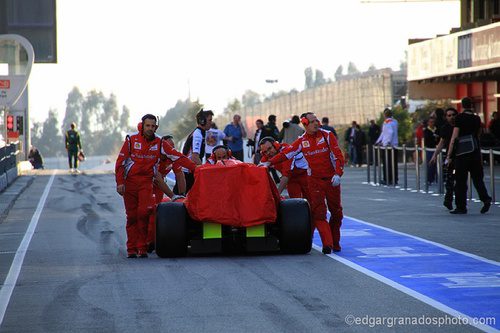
(412, 161)
(9, 156)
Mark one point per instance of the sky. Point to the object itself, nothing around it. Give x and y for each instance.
(151, 53)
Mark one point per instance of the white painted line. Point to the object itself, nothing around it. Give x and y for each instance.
(17, 263)
(408, 291)
(489, 261)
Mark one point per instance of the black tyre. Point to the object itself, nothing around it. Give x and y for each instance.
(294, 220)
(171, 230)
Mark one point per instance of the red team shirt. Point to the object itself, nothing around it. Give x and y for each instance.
(321, 151)
(141, 158)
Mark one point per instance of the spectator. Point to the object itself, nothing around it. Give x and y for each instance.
(213, 137)
(467, 158)
(495, 125)
(270, 129)
(325, 125)
(235, 132)
(73, 146)
(439, 116)
(292, 130)
(389, 138)
(349, 138)
(35, 158)
(448, 168)
(373, 134)
(254, 143)
(359, 143)
(431, 139)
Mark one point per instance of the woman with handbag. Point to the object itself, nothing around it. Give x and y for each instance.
(465, 140)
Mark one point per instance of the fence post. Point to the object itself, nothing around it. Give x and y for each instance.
(492, 176)
(379, 160)
(394, 164)
(405, 169)
(368, 164)
(374, 148)
(417, 167)
(439, 170)
(426, 169)
(386, 162)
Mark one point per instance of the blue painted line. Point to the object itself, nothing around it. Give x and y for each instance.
(456, 282)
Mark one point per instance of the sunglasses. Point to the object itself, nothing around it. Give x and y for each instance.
(451, 115)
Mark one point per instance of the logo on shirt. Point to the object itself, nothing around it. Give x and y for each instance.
(137, 145)
(153, 148)
(305, 144)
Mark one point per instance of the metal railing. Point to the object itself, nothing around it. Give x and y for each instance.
(417, 168)
(9, 156)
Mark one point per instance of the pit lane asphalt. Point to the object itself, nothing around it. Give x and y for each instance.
(75, 277)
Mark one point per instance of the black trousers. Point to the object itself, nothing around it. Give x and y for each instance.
(464, 164)
(449, 182)
(73, 159)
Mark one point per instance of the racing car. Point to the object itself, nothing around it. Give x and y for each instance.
(233, 207)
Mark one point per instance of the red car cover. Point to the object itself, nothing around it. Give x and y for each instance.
(239, 195)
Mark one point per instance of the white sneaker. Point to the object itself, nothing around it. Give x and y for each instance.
(77, 171)
(70, 170)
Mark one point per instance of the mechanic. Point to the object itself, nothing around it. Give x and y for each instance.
(293, 171)
(135, 167)
(222, 155)
(194, 147)
(326, 163)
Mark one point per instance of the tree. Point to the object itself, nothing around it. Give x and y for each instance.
(352, 69)
(403, 64)
(187, 123)
(74, 107)
(339, 72)
(372, 68)
(308, 72)
(320, 78)
(124, 119)
(51, 142)
(250, 98)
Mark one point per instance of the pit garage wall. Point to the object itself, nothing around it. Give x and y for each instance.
(481, 92)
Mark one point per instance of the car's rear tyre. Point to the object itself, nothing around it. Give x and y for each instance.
(171, 230)
(294, 220)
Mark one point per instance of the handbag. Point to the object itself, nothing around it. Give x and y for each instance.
(466, 145)
(81, 156)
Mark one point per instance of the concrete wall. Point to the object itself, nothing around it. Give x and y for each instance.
(360, 98)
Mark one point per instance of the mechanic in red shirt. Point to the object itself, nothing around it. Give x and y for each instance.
(293, 171)
(326, 163)
(135, 167)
